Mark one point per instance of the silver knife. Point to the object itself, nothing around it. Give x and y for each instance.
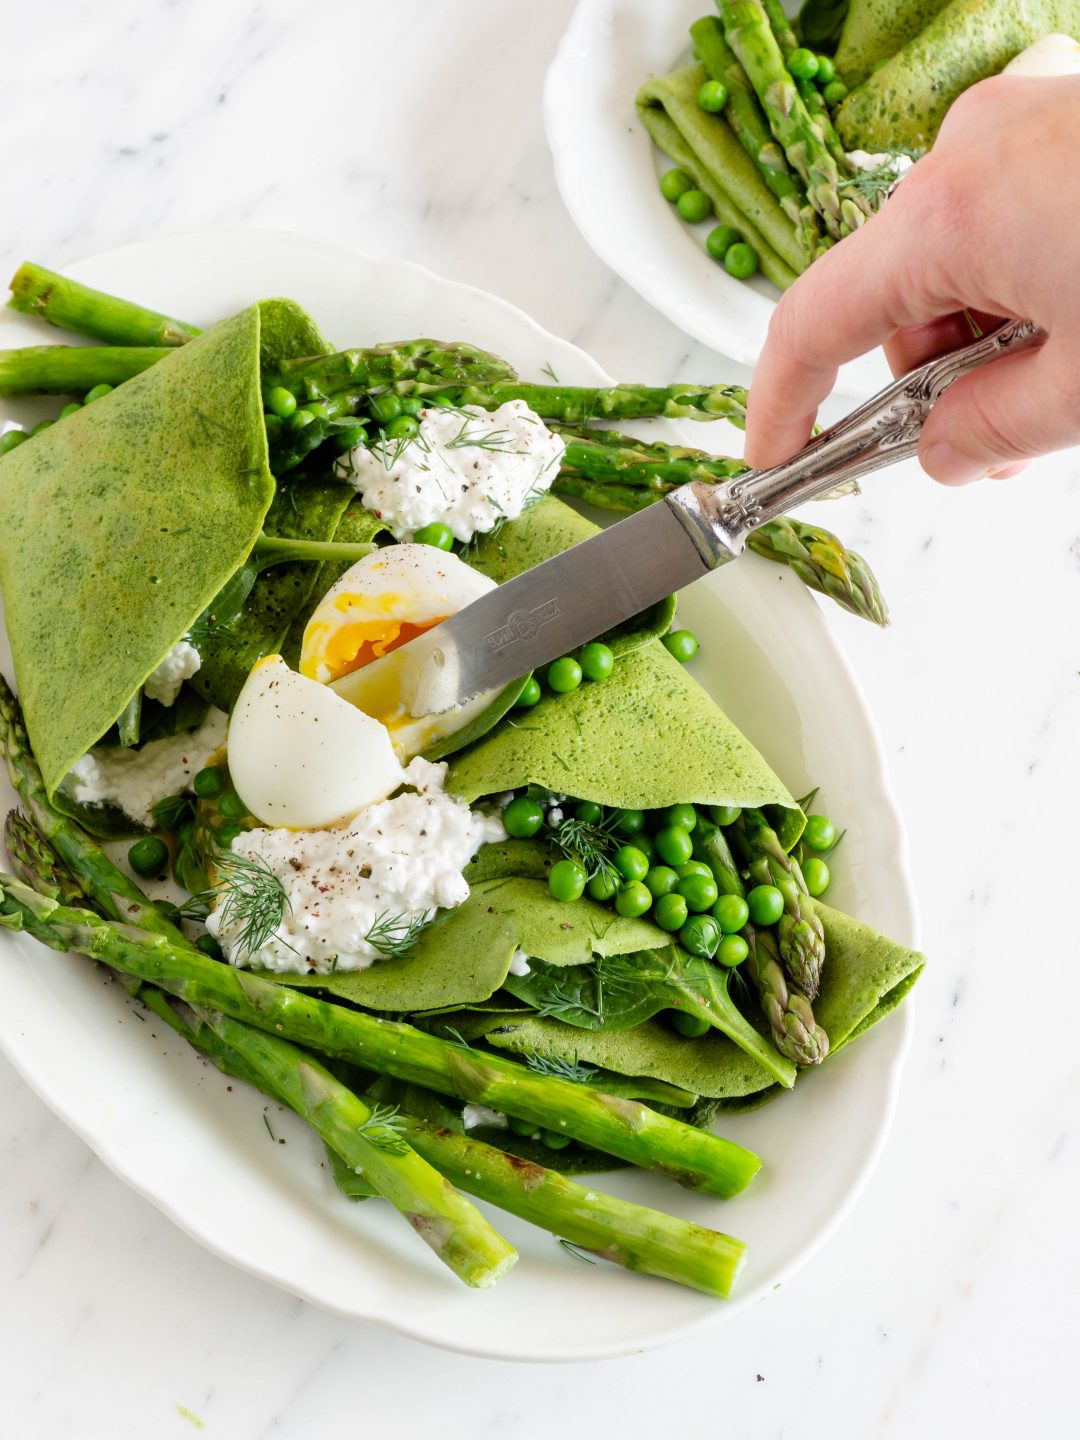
(595, 585)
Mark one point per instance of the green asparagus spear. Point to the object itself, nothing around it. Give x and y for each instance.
(578, 405)
(625, 1234)
(747, 31)
(789, 1013)
(625, 1128)
(743, 114)
(71, 306)
(795, 1032)
(823, 563)
(812, 97)
(606, 455)
(420, 366)
(800, 932)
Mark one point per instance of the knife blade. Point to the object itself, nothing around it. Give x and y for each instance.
(534, 618)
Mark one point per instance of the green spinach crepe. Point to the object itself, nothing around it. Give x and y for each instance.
(876, 29)
(121, 526)
(901, 106)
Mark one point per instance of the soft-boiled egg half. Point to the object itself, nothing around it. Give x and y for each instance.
(381, 602)
(300, 756)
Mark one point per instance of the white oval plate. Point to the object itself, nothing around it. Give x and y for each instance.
(168, 1125)
(608, 169)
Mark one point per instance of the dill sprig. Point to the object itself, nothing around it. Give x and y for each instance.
(873, 185)
(578, 1251)
(394, 933)
(561, 1068)
(500, 441)
(251, 900)
(385, 1129)
(590, 845)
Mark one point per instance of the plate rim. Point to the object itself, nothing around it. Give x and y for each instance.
(900, 1023)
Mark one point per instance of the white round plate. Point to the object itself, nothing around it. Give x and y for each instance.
(170, 1126)
(608, 170)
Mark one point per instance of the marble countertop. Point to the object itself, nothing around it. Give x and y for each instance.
(948, 1300)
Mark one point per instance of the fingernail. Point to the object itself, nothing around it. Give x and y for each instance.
(943, 462)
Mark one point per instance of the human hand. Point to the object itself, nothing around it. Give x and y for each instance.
(988, 222)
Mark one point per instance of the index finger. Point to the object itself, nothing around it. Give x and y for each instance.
(856, 296)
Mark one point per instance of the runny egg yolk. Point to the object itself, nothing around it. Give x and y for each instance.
(335, 649)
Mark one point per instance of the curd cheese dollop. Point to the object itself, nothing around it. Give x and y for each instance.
(394, 863)
(135, 780)
(182, 661)
(466, 468)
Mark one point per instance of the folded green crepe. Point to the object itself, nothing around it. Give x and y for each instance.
(876, 29)
(901, 106)
(121, 525)
(708, 150)
(866, 975)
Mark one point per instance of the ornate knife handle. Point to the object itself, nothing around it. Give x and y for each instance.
(882, 431)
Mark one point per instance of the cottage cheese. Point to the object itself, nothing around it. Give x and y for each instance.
(468, 468)
(519, 965)
(474, 1115)
(402, 858)
(182, 661)
(135, 780)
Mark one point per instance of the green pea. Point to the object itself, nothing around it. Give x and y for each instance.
(209, 782)
(731, 913)
(209, 946)
(661, 880)
(720, 240)
(628, 822)
(603, 885)
(386, 407)
(674, 183)
(700, 936)
(588, 812)
(11, 439)
(349, 437)
(630, 862)
(684, 816)
(647, 845)
(741, 261)
(228, 833)
(633, 900)
(816, 874)
(300, 419)
(670, 912)
(834, 92)
(597, 661)
(699, 892)
(522, 817)
(803, 64)
(682, 644)
(732, 951)
(530, 694)
(527, 1128)
(554, 1139)
(42, 425)
(694, 206)
(403, 427)
(232, 807)
(96, 393)
(820, 833)
(712, 96)
(724, 814)
(410, 404)
(441, 537)
(692, 1026)
(280, 402)
(70, 409)
(567, 880)
(149, 856)
(674, 845)
(766, 904)
(826, 69)
(693, 867)
(443, 401)
(564, 675)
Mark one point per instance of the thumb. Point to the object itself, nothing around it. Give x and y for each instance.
(1005, 413)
